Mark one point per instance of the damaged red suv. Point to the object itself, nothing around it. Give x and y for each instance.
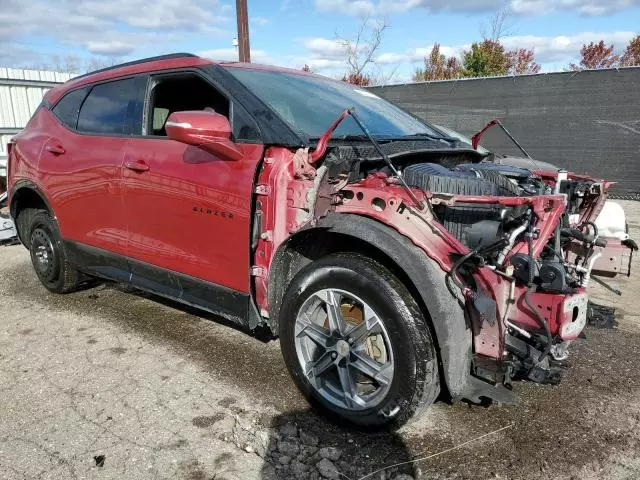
(393, 261)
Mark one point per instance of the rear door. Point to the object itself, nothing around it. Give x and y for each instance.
(188, 210)
(81, 165)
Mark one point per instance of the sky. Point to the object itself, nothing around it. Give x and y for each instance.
(38, 33)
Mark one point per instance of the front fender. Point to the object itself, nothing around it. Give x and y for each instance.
(447, 317)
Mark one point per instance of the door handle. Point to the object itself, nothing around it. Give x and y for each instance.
(56, 149)
(139, 166)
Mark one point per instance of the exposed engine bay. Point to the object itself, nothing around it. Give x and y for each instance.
(547, 287)
(515, 247)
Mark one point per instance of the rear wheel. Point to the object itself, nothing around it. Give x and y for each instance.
(356, 342)
(47, 254)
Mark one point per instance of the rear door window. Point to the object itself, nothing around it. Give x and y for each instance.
(68, 107)
(105, 109)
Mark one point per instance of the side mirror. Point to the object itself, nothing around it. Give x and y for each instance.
(209, 131)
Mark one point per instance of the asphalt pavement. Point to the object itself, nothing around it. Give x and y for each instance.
(108, 384)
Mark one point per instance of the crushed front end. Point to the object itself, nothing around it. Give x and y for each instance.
(519, 248)
(530, 256)
(516, 248)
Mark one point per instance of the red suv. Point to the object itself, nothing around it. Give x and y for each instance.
(393, 261)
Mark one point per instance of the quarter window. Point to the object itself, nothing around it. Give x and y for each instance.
(105, 109)
(68, 107)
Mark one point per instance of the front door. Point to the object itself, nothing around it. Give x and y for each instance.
(188, 211)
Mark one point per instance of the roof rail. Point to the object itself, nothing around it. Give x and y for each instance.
(136, 62)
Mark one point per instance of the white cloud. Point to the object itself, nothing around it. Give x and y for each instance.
(18, 54)
(325, 47)
(391, 58)
(115, 48)
(165, 14)
(323, 55)
(259, 20)
(109, 27)
(325, 64)
(556, 52)
(348, 7)
(372, 7)
(328, 55)
(584, 7)
(564, 49)
(416, 55)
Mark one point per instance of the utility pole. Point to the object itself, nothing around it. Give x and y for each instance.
(242, 15)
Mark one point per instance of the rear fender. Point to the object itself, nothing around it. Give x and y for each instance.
(26, 194)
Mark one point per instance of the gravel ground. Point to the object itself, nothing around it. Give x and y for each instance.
(107, 384)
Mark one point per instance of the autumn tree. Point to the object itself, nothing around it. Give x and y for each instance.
(357, 79)
(596, 55)
(438, 66)
(631, 56)
(486, 59)
(521, 62)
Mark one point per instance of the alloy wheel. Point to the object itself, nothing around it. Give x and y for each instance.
(344, 349)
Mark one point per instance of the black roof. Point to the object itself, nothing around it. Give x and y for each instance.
(137, 62)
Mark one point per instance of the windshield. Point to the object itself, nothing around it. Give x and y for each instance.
(309, 104)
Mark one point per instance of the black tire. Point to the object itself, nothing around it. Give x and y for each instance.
(415, 382)
(48, 256)
(24, 220)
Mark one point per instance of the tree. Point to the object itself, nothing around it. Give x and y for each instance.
(383, 76)
(96, 63)
(438, 66)
(357, 79)
(360, 51)
(306, 68)
(501, 25)
(486, 59)
(631, 57)
(596, 55)
(75, 65)
(522, 61)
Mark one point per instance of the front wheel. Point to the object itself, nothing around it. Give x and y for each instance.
(356, 343)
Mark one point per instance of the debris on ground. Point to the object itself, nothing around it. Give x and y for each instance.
(99, 459)
(8, 234)
(294, 450)
(600, 316)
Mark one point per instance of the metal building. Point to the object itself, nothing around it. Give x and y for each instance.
(21, 92)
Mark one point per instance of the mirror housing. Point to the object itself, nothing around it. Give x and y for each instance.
(209, 131)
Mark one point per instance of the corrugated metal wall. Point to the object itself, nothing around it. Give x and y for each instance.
(588, 122)
(21, 92)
